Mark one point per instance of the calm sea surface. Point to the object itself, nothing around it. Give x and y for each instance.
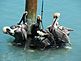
(11, 12)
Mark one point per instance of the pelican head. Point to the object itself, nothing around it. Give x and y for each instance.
(6, 29)
(56, 15)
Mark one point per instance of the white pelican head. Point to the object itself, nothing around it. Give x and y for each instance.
(5, 29)
(56, 15)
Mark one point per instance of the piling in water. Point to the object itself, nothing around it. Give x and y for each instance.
(31, 7)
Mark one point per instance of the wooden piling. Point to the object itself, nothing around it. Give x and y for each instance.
(31, 7)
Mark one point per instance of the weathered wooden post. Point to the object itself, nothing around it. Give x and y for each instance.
(31, 7)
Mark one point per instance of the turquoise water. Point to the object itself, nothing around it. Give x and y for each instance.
(11, 12)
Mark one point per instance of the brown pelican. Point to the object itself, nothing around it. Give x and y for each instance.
(19, 32)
